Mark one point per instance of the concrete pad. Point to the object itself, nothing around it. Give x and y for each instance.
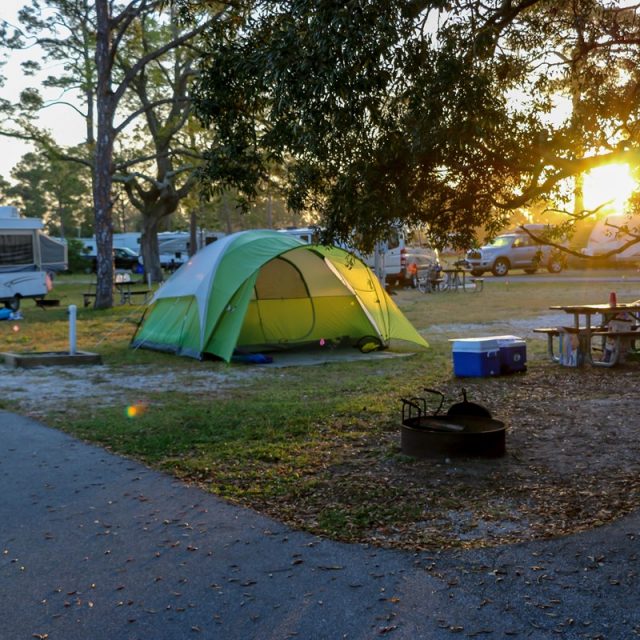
(50, 359)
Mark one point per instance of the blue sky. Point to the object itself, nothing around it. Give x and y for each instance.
(66, 130)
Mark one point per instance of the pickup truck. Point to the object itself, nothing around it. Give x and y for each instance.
(514, 251)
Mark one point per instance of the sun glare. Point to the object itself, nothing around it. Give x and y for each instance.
(608, 187)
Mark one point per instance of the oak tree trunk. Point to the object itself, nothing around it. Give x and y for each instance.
(103, 159)
(149, 248)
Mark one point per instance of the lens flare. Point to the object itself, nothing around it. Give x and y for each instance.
(135, 410)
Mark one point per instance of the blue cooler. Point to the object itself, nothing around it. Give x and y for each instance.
(513, 354)
(476, 357)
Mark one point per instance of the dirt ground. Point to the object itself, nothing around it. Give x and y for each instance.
(572, 461)
(40, 390)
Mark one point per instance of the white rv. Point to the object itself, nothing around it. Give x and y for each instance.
(22, 274)
(174, 246)
(403, 247)
(610, 234)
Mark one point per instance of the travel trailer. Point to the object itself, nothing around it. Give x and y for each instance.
(308, 235)
(23, 251)
(609, 234)
(173, 246)
(129, 241)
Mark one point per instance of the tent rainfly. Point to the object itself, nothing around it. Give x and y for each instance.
(263, 290)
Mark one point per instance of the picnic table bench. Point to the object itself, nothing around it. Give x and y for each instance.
(123, 287)
(555, 332)
(618, 330)
(125, 297)
(43, 303)
(434, 279)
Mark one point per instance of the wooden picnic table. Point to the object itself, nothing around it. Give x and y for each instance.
(435, 278)
(124, 287)
(454, 278)
(619, 324)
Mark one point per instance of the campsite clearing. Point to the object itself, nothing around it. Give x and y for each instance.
(318, 447)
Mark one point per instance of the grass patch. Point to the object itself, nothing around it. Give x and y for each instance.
(107, 332)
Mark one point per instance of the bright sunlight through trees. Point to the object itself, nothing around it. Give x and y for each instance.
(610, 185)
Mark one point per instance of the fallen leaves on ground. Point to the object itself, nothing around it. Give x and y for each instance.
(572, 463)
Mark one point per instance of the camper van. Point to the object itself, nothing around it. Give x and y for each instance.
(391, 259)
(402, 248)
(308, 235)
(23, 273)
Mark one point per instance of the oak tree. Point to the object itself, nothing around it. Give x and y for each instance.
(410, 111)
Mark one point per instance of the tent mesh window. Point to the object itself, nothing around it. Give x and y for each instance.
(279, 279)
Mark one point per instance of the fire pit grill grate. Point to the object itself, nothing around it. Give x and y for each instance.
(466, 430)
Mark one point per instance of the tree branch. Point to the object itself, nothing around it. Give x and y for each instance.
(131, 117)
(567, 169)
(157, 53)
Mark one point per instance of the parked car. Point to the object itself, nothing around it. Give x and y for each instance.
(514, 251)
(123, 258)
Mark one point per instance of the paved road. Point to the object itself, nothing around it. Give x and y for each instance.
(96, 547)
(575, 275)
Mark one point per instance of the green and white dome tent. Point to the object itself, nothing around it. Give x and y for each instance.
(263, 290)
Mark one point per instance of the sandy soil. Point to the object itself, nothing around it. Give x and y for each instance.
(42, 389)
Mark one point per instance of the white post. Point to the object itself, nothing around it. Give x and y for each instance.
(72, 329)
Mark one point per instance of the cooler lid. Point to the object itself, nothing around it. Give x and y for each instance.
(475, 345)
(506, 341)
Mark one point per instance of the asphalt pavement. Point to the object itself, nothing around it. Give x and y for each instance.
(573, 275)
(96, 546)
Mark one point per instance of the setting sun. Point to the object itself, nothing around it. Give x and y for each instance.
(610, 186)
